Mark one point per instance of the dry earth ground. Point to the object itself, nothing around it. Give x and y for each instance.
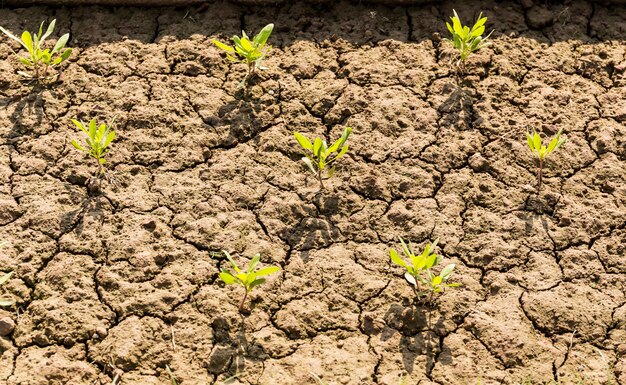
(126, 283)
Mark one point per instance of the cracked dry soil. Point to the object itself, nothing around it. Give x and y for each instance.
(126, 283)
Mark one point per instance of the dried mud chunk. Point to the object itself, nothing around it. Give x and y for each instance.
(10, 210)
(580, 262)
(463, 356)
(606, 135)
(539, 272)
(589, 365)
(338, 357)
(304, 60)
(611, 250)
(389, 64)
(583, 198)
(554, 100)
(503, 328)
(613, 104)
(539, 17)
(316, 314)
(94, 25)
(53, 364)
(569, 307)
(66, 309)
(153, 284)
(135, 344)
(235, 231)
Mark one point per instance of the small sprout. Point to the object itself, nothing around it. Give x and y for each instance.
(3, 301)
(541, 151)
(466, 40)
(251, 52)
(419, 273)
(169, 373)
(249, 278)
(38, 56)
(98, 140)
(321, 158)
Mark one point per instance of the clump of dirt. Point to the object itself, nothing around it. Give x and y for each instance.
(124, 283)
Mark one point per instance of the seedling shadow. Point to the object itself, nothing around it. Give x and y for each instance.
(459, 99)
(418, 328)
(314, 231)
(244, 119)
(232, 347)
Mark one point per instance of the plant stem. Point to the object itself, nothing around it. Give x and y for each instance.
(539, 172)
(243, 301)
(319, 177)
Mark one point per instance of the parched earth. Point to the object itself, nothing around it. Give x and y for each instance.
(125, 283)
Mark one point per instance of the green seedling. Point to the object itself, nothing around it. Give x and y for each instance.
(3, 301)
(541, 151)
(169, 373)
(467, 40)
(98, 139)
(250, 52)
(321, 158)
(40, 59)
(419, 271)
(249, 278)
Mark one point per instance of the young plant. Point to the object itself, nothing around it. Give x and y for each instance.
(541, 151)
(249, 278)
(321, 158)
(98, 138)
(40, 59)
(3, 301)
(418, 271)
(251, 52)
(467, 40)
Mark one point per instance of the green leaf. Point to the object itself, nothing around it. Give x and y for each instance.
(261, 38)
(66, 54)
(406, 249)
(5, 277)
(317, 146)
(232, 262)
(78, 146)
(256, 283)
(6, 302)
(529, 140)
(245, 44)
(447, 270)
(48, 31)
(60, 43)
(536, 141)
(395, 258)
(255, 260)
(109, 139)
(303, 141)
(28, 41)
(437, 281)
(92, 129)
(13, 37)
(267, 271)
(309, 163)
(223, 46)
(430, 261)
(227, 277)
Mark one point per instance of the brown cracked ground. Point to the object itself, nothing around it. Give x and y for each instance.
(126, 283)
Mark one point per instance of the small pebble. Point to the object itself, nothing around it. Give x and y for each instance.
(102, 331)
(7, 325)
